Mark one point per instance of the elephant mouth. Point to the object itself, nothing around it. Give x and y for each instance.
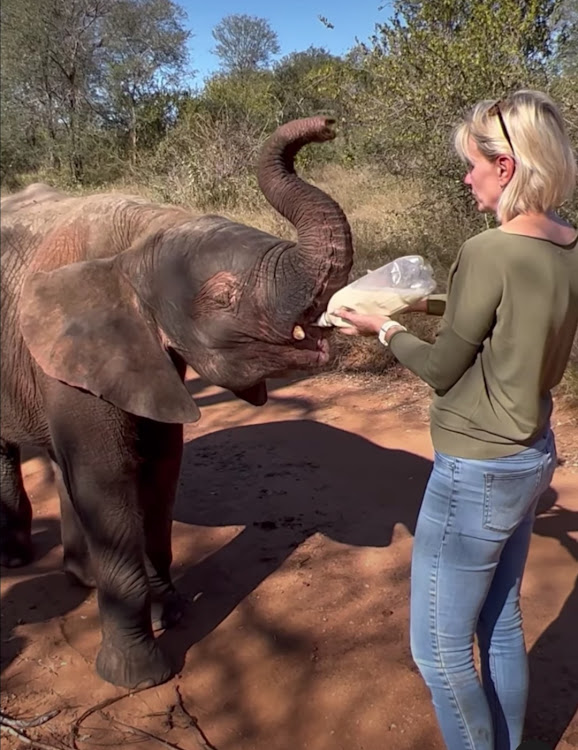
(313, 348)
(260, 359)
(319, 350)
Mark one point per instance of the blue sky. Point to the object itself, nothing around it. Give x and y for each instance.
(296, 23)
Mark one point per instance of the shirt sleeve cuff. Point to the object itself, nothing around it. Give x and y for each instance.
(436, 304)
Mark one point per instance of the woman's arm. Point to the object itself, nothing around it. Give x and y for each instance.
(440, 364)
(476, 289)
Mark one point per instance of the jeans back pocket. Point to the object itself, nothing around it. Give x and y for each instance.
(508, 496)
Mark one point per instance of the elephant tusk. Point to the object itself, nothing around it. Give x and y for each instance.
(298, 333)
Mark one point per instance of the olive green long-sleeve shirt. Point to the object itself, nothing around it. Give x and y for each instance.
(504, 342)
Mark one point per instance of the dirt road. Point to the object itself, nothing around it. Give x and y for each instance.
(293, 536)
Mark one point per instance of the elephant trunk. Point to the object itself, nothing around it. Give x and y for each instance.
(324, 250)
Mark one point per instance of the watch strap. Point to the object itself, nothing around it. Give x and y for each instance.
(385, 328)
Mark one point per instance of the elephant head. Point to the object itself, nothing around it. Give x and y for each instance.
(235, 303)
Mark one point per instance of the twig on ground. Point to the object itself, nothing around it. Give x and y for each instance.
(194, 722)
(98, 707)
(144, 733)
(27, 740)
(201, 738)
(8, 721)
(13, 726)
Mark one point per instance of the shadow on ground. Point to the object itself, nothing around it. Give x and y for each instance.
(284, 482)
(553, 698)
(281, 485)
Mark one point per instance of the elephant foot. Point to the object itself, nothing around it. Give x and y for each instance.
(133, 666)
(168, 611)
(17, 549)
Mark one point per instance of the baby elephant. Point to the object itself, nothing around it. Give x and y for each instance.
(105, 300)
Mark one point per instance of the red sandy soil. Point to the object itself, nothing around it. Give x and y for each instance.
(292, 539)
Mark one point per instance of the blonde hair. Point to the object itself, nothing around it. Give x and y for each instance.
(545, 174)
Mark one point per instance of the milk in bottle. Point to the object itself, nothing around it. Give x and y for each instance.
(384, 291)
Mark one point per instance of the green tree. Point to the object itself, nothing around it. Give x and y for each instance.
(565, 31)
(143, 59)
(564, 80)
(315, 82)
(48, 66)
(244, 43)
(79, 78)
(249, 95)
(433, 60)
(300, 78)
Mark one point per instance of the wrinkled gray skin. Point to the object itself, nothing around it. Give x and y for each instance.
(105, 300)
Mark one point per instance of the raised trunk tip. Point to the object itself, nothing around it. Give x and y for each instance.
(324, 235)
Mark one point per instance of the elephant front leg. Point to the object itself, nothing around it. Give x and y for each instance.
(96, 447)
(129, 655)
(109, 512)
(168, 606)
(159, 479)
(15, 510)
(77, 564)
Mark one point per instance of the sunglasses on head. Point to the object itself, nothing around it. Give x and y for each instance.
(495, 110)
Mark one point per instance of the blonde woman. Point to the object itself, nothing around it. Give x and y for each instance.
(509, 320)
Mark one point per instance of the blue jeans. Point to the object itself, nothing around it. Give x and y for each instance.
(469, 553)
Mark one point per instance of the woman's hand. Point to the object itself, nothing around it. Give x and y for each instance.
(361, 325)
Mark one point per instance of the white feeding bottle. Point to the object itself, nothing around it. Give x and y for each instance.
(385, 291)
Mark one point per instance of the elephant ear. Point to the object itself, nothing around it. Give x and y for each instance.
(83, 326)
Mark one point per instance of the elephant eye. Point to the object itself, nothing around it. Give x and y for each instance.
(220, 291)
(222, 297)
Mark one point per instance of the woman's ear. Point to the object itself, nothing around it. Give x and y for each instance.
(83, 326)
(506, 166)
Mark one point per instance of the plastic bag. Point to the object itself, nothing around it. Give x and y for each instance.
(385, 291)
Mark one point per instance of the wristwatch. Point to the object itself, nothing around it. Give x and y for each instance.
(385, 328)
